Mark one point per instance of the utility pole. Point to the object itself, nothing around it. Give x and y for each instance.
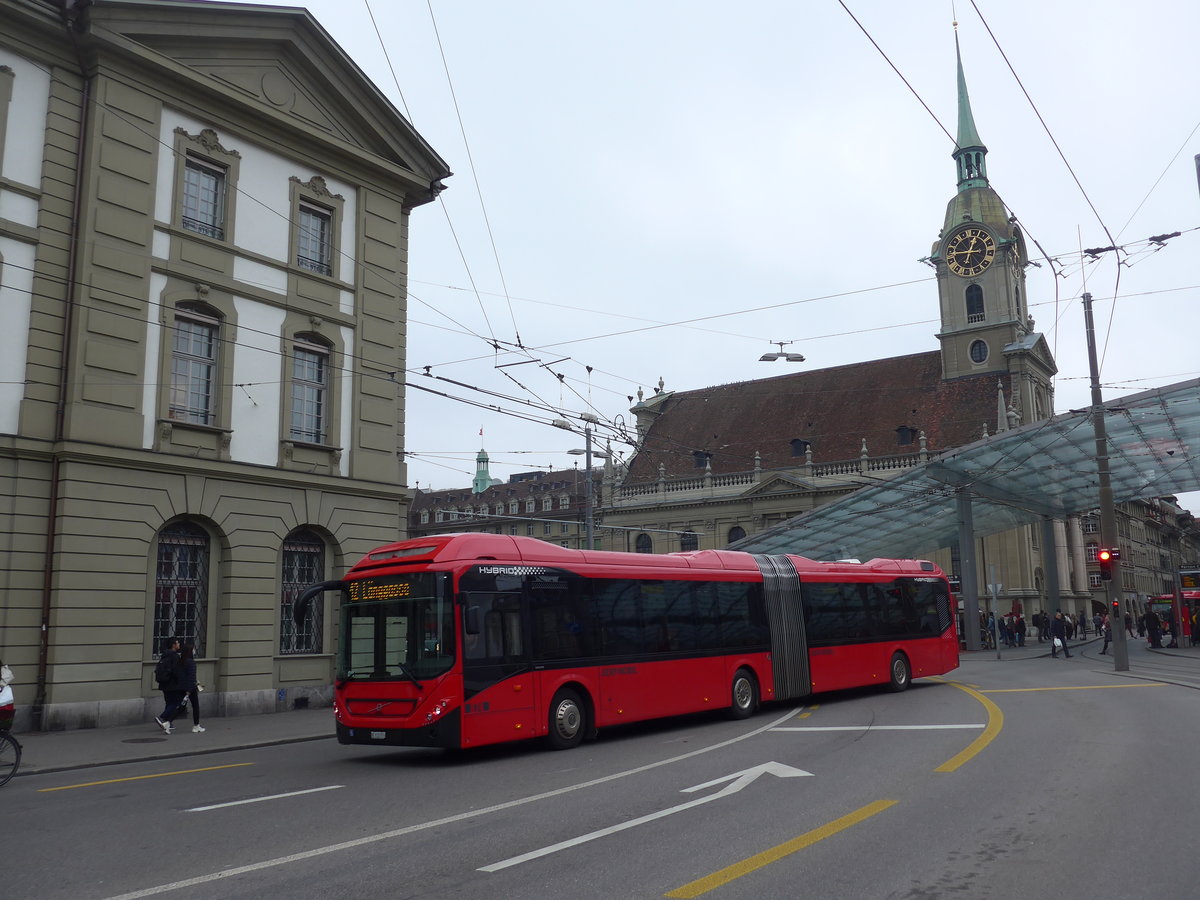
(1108, 513)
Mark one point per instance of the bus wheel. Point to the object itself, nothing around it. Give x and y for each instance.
(901, 674)
(568, 720)
(744, 695)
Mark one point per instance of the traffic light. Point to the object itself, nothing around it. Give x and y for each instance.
(1105, 558)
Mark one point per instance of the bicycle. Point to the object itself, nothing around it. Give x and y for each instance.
(987, 640)
(10, 757)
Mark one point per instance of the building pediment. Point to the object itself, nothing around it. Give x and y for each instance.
(1034, 344)
(781, 483)
(275, 60)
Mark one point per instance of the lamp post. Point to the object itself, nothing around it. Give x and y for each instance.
(588, 516)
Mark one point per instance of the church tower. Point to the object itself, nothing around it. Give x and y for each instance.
(980, 260)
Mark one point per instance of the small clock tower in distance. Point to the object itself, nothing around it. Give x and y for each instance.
(980, 260)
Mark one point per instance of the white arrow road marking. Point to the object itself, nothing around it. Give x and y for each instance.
(332, 787)
(737, 781)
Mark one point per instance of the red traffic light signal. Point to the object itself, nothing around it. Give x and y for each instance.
(1104, 556)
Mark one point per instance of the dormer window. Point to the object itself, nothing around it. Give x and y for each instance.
(701, 458)
(800, 447)
(906, 435)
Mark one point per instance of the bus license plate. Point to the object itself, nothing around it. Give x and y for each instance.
(378, 735)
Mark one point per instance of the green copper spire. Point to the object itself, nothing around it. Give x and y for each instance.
(970, 152)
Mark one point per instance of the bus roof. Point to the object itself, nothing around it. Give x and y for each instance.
(473, 546)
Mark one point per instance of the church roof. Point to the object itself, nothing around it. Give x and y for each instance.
(834, 410)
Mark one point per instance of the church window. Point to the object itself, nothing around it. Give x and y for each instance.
(979, 351)
(975, 303)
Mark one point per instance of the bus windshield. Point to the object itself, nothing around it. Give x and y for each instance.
(397, 627)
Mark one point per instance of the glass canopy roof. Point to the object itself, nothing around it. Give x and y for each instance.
(1015, 478)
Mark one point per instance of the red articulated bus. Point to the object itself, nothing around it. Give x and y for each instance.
(465, 640)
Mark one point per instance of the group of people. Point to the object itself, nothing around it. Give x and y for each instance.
(180, 687)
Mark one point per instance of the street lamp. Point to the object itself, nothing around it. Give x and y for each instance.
(780, 354)
(588, 421)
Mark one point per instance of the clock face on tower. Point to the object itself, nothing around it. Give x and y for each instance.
(969, 251)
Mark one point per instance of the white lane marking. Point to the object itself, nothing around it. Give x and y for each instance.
(738, 780)
(437, 823)
(332, 787)
(877, 727)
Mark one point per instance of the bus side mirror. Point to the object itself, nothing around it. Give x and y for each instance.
(471, 620)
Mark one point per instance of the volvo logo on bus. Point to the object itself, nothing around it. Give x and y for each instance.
(512, 570)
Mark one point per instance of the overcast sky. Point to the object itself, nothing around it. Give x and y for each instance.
(672, 186)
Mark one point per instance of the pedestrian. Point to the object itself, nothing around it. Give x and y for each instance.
(170, 677)
(1153, 628)
(1058, 633)
(1039, 622)
(1081, 626)
(1106, 629)
(1129, 624)
(1020, 630)
(188, 658)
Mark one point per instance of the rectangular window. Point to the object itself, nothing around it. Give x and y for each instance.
(310, 373)
(204, 198)
(314, 250)
(194, 370)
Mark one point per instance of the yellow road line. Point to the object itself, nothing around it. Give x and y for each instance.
(995, 723)
(68, 787)
(1085, 687)
(746, 866)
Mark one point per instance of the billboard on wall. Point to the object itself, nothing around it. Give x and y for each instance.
(1189, 579)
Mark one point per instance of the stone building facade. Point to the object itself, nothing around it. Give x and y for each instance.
(204, 217)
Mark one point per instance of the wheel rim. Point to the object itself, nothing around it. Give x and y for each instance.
(899, 671)
(743, 693)
(568, 719)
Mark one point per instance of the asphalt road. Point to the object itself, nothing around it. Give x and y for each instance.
(1030, 778)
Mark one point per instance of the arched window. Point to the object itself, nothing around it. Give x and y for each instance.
(688, 540)
(975, 303)
(643, 544)
(181, 586)
(736, 533)
(303, 565)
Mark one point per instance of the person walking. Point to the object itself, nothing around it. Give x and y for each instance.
(170, 677)
(1020, 626)
(188, 658)
(1058, 633)
(1106, 630)
(1153, 628)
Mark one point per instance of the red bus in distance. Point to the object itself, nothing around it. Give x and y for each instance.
(466, 640)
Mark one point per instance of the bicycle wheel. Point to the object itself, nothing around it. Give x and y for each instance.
(10, 757)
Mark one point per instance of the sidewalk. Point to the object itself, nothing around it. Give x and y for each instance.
(57, 751)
